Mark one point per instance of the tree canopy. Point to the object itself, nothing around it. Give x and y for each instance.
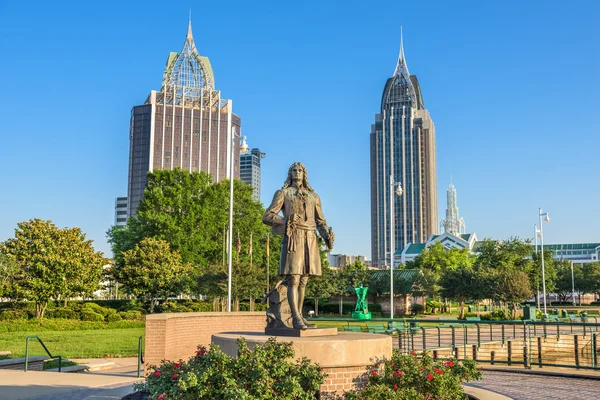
(50, 263)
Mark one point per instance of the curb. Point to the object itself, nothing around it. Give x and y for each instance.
(541, 372)
(483, 394)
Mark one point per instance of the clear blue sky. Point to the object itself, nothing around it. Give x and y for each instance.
(512, 87)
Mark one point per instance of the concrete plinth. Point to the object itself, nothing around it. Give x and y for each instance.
(301, 333)
(344, 357)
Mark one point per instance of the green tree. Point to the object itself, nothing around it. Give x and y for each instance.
(191, 213)
(151, 270)
(52, 263)
(324, 285)
(433, 261)
(9, 270)
(461, 284)
(564, 280)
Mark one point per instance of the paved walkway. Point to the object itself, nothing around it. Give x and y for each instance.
(520, 386)
(97, 385)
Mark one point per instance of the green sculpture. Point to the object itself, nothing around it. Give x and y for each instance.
(362, 309)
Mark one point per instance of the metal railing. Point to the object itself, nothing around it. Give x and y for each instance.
(45, 348)
(568, 342)
(140, 357)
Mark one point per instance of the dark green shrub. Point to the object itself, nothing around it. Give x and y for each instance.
(201, 306)
(131, 314)
(334, 308)
(10, 315)
(93, 307)
(416, 308)
(65, 313)
(267, 372)
(113, 317)
(88, 315)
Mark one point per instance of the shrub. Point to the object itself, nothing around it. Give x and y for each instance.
(131, 315)
(202, 306)
(433, 305)
(88, 315)
(417, 377)
(65, 313)
(10, 315)
(416, 308)
(334, 308)
(113, 317)
(264, 372)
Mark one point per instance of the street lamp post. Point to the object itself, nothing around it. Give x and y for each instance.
(573, 283)
(535, 236)
(541, 235)
(395, 187)
(243, 149)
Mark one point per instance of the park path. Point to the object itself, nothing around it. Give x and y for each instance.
(537, 387)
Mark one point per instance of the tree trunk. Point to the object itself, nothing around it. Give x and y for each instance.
(251, 303)
(40, 308)
(316, 306)
(406, 304)
(341, 310)
(65, 302)
(152, 305)
(461, 310)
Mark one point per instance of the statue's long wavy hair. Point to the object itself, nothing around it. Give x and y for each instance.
(305, 184)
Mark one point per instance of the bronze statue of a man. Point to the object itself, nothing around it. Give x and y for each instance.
(302, 218)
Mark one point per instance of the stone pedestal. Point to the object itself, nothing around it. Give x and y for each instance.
(344, 357)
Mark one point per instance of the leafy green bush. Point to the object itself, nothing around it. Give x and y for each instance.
(417, 377)
(113, 317)
(131, 315)
(264, 372)
(434, 305)
(65, 313)
(10, 315)
(416, 308)
(202, 306)
(497, 315)
(88, 315)
(334, 308)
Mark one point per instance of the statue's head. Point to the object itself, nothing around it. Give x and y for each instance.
(297, 171)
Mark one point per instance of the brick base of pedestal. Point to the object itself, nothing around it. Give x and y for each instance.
(344, 357)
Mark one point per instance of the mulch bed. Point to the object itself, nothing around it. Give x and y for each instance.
(139, 395)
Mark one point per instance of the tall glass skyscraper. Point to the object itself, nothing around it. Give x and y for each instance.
(402, 150)
(250, 170)
(185, 125)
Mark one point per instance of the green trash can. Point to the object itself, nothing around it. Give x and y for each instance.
(471, 309)
(529, 312)
(564, 313)
(486, 308)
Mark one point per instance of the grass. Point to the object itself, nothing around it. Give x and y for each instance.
(72, 339)
(52, 364)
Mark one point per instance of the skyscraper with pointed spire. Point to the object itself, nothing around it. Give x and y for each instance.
(402, 151)
(187, 124)
(452, 224)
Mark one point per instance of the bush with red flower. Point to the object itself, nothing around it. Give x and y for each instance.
(266, 372)
(417, 377)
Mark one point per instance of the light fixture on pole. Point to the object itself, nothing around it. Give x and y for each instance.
(243, 149)
(573, 283)
(395, 187)
(540, 234)
(535, 236)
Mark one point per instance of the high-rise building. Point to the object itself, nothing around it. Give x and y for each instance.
(250, 170)
(402, 150)
(121, 211)
(452, 223)
(187, 124)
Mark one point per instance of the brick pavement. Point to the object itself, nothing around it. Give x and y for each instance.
(534, 387)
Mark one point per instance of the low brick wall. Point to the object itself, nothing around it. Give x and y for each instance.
(35, 363)
(343, 379)
(176, 336)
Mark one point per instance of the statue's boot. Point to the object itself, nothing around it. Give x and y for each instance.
(297, 319)
(301, 291)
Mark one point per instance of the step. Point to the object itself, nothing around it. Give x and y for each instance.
(85, 367)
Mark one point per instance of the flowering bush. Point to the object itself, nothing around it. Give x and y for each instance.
(265, 372)
(417, 377)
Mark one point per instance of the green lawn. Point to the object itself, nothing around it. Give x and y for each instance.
(121, 342)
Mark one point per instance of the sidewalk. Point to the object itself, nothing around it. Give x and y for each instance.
(107, 384)
(546, 371)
